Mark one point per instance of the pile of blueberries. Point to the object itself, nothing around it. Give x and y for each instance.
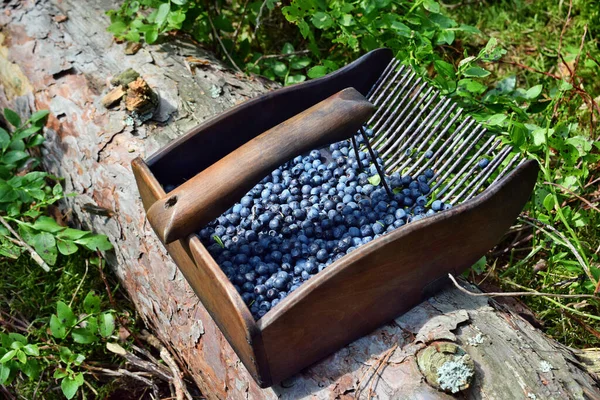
(305, 215)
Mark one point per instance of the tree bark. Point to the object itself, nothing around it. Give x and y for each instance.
(47, 62)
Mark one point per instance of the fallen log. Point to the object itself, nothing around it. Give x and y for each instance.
(57, 55)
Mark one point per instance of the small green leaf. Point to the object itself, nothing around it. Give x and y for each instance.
(25, 133)
(288, 48)
(31, 350)
(445, 37)
(69, 386)
(374, 180)
(151, 35)
(321, 20)
(12, 117)
(72, 234)
(21, 356)
(31, 368)
(317, 71)
(59, 373)
(539, 136)
(293, 79)
(58, 329)
(65, 314)
(65, 355)
(431, 5)
(83, 336)
(444, 68)
(38, 116)
(476, 72)
(106, 324)
(162, 13)
(347, 20)
(549, 202)
(479, 266)
(95, 242)
(14, 156)
(66, 247)
(4, 139)
(17, 337)
(280, 68)
(4, 372)
(47, 224)
(91, 303)
(117, 27)
(533, 92)
(304, 28)
(45, 245)
(8, 356)
(300, 63)
(496, 120)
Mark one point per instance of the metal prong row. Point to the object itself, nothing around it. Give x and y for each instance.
(416, 129)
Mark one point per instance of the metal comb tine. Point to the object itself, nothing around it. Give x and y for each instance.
(393, 118)
(468, 141)
(396, 128)
(452, 142)
(467, 121)
(487, 147)
(468, 175)
(416, 119)
(391, 65)
(480, 178)
(382, 111)
(508, 167)
(496, 163)
(426, 141)
(421, 131)
(377, 100)
(433, 144)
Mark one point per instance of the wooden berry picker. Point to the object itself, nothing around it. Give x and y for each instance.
(312, 215)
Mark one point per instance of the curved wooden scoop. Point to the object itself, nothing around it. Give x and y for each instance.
(212, 191)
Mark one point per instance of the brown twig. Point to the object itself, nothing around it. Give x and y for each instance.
(517, 294)
(564, 29)
(294, 53)
(582, 323)
(221, 43)
(237, 30)
(111, 299)
(36, 257)
(180, 388)
(382, 363)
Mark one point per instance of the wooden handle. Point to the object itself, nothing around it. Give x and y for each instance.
(211, 192)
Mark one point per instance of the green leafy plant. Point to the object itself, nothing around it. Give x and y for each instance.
(25, 194)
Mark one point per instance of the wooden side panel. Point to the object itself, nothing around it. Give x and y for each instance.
(207, 143)
(388, 276)
(211, 285)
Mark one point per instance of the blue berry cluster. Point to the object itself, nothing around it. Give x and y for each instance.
(307, 214)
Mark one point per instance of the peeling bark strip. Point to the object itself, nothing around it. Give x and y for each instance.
(57, 55)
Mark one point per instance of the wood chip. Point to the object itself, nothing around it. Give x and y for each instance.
(132, 48)
(140, 97)
(113, 97)
(60, 18)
